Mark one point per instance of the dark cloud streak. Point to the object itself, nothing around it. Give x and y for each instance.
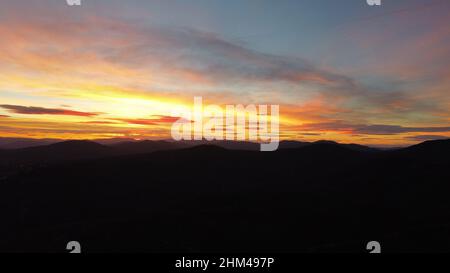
(31, 110)
(426, 137)
(376, 129)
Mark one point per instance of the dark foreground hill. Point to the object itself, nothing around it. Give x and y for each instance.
(44, 155)
(313, 198)
(84, 149)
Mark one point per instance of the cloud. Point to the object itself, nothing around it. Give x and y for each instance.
(376, 129)
(165, 119)
(159, 53)
(426, 137)
(226, 60)
(137, 121)
(395, 129)
(99, 122)
(31, 110)
(310, 134)
(156, 120)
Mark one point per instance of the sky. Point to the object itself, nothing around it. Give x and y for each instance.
(340, 70)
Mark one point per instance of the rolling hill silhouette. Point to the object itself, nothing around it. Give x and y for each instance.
(83, 149)
(429, 149)
(18, 143)
(317, 197)
(68, 150)
(146, 146)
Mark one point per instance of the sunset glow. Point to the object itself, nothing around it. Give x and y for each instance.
(113, 70)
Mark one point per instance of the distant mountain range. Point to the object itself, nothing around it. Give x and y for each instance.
(83, 149)
(157, 196)
(20, 143)
(58, 151)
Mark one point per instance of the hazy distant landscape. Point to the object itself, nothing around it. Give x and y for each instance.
(159, 196)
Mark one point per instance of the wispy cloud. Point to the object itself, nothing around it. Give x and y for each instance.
(31, 110)
(155, 120)
(101, 122)
(376, 129)
(163, 57)
(395, 129)
(426, 137)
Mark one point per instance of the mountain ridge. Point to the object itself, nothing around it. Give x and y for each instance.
(12, 160)
(168, 200)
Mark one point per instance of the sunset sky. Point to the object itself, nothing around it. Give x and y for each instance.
(340, 70)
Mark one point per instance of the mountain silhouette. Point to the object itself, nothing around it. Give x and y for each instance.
(290, 144)
(67, 150)
(18, 143)
(431, 148)
(80, 149)
(205, 148)
(83, 149)
(146, 146)
(322, 197)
